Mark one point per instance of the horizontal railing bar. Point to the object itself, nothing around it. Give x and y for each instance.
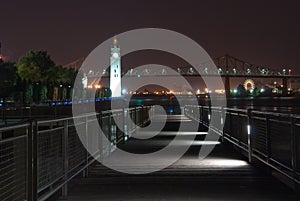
(12, 139)
(50, 130)
(280, 164)
(277, 169)
(3, 129)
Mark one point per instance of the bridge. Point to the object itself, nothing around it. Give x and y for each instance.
(46, 160)
(228, 67)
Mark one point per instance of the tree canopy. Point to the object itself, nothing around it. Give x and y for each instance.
(37, 66)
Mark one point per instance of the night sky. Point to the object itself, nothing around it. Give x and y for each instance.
(262, 32)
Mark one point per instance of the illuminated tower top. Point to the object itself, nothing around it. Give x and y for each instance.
(115, 69)
(115, 41)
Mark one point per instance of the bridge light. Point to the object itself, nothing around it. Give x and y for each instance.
(283, 71)
(234, 70)
(138, 75)
(220, 71)
(191, 71)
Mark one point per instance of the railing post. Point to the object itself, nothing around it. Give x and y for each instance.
(135, 121)
(294, 150)
(223, 118)
(100, 147)
(125, 126)
(86, 170)
(32, 185)
(268, 138)
(66, 157)
(201, 114)
(110, 132)
(249, 136)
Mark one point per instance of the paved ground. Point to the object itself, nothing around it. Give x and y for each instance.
(224, 175)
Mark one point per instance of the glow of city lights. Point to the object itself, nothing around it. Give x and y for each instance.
(220, 91)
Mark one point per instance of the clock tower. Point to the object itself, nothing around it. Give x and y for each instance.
(115, 70)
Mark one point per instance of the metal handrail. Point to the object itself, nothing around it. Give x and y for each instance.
(265, 118)
(54, 152)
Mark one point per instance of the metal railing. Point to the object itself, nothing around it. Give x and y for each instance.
(39, 158)
(272, 138)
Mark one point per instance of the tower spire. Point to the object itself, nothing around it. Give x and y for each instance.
(115, 41)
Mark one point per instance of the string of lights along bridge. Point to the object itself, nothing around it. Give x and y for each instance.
(227, 67)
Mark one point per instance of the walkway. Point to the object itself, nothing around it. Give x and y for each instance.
(224, 175)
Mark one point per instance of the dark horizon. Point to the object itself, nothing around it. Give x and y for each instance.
(263, 33)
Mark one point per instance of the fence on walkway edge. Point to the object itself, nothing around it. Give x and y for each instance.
(272, 138)
(38, 158)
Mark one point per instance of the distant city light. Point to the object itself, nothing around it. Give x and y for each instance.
(220, 91)
(124, 91)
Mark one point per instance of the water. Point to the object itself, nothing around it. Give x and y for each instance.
(269, 104)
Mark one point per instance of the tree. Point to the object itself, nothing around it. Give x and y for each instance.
(241, 91)
(37, 69)
(8, 79)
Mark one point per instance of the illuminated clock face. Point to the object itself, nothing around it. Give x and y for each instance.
(116, 55)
